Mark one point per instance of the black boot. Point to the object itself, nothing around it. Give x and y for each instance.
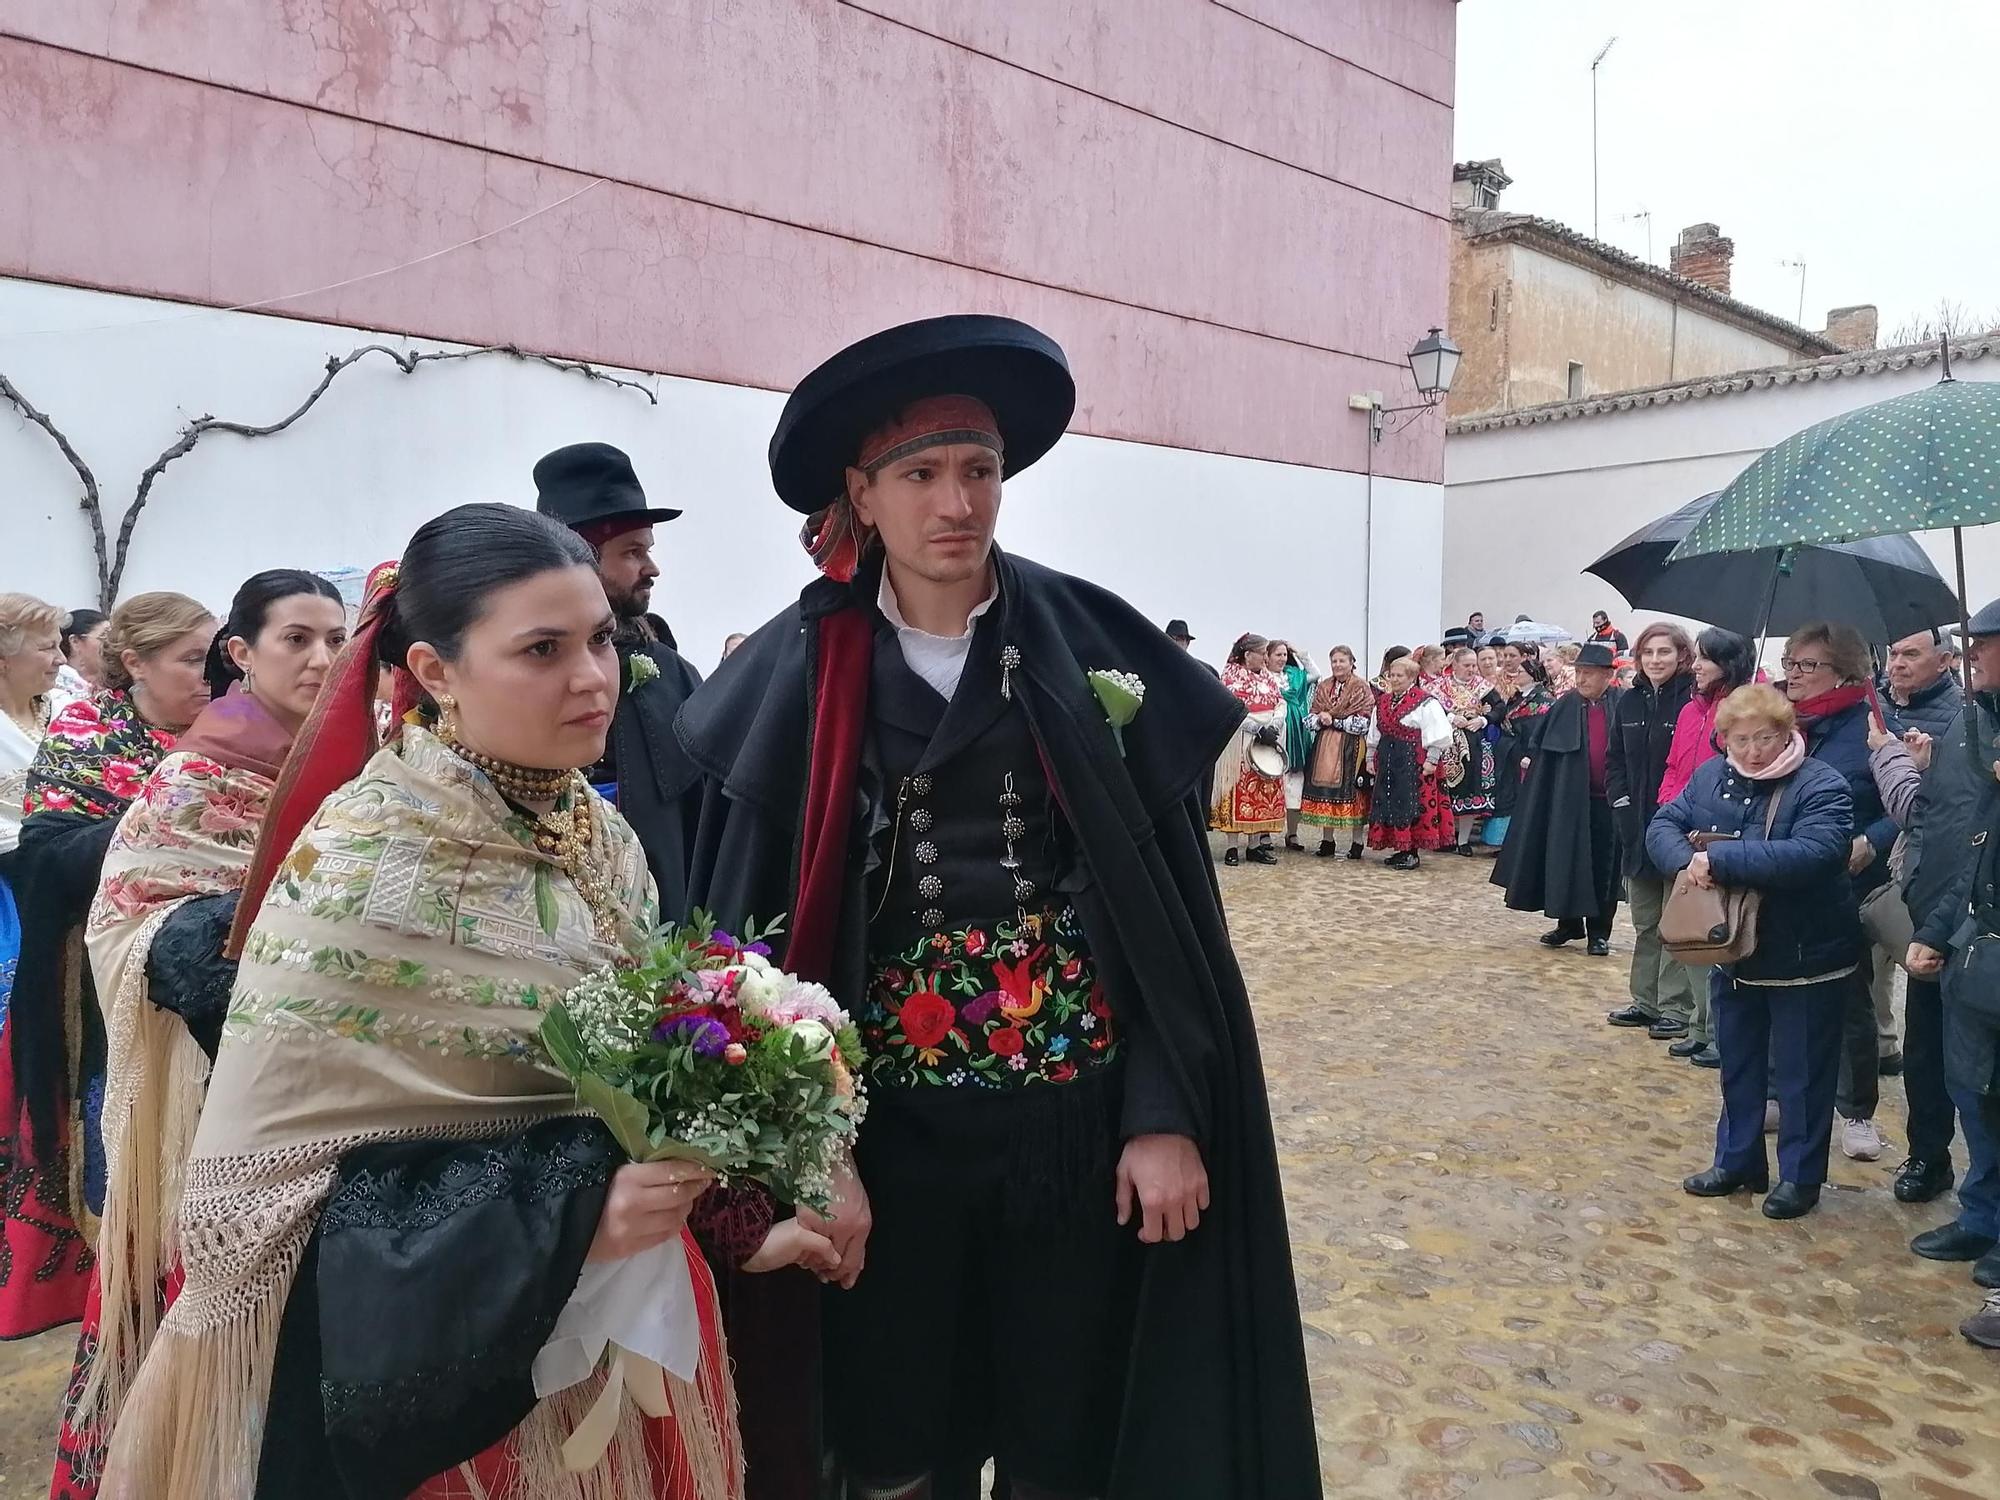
(1354, 850)
(1791, 1200)
(1716, 1183)
(1327, 849)
(1559, 934)
(1262, 854)
(1687, 1046)
(1952, 1241)
(1231, 857)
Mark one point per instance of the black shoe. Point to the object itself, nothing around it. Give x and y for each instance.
(1687, 1046)
(1231, 857)
(1354, 851)
(1326, 850)
(1708, 1057)
(1716, 1183)
(1667, 1029)
(1403, 860)
(1890, 1066)
(1952, 1242)
(1791, 1200)
(1294, 845)
(1263, 854)
(1557, 935)
(1598, 947)
(1986, 1270)
(1469, 850)
(1919, 1181)
(1631, 1015)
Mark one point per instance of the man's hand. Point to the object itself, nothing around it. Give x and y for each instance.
(845, 1225)
(1165, 1175)
(1860, 855)
(1878, 736)
(1923, 961)
(1699, 872)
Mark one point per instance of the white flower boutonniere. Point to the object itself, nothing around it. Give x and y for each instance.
(640, 669)
(1121, 694)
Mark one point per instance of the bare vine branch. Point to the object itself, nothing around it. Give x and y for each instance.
(201, 426)
(91, 502)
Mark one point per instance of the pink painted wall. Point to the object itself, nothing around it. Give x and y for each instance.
(1232, 215)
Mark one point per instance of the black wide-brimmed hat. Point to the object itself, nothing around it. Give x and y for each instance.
(1595, 654)
(1177, 630)
(590, 482)
(1018, 371)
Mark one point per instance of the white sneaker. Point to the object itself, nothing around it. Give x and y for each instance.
(1860, 1140)
(1770, 1117)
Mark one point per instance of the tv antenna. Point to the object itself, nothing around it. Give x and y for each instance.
(1595, 62)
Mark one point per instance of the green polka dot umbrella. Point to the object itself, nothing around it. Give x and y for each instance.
(1919, 462)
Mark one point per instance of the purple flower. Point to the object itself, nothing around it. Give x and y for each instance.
(721, 939)
(762, 950)
(977, 1011)
(705, 1034)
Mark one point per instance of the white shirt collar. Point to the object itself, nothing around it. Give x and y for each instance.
(885, 600)
(938, 659)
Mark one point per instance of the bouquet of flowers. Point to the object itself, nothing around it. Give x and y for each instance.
(706, 1051)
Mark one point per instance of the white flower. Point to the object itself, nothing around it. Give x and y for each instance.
(1088, 1021)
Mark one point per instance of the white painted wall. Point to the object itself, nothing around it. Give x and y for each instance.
(1231, 544)
(1528, 508)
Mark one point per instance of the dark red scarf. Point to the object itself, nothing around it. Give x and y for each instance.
(1839, 700)
(846, 645)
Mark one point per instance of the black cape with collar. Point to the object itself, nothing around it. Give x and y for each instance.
(659, 790)
(1216, 1400)
(1545, 863)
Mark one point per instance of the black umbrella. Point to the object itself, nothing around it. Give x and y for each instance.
(1885, 586)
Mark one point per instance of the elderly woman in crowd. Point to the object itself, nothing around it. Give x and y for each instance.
(1642, 734)
(1473, 705)
(1830, 679)
(97, 754)
(82, 671)
(1723, 662)
(1769, 819)
(1524, 687)
(1336, 796)
(1247, 799)
(30, 658)
(1407, 741)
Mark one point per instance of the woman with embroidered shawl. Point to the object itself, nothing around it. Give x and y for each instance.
(1524, 686)
(391, 1194)
(1296, 681)
(155, 934)
(1472, 705)
(1336, 790)
(1406, 746)
(1243, 799)
(96, 755)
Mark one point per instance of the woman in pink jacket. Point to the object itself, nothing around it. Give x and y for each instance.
(1723, 662)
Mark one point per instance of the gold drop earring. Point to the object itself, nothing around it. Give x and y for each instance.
(447, 718)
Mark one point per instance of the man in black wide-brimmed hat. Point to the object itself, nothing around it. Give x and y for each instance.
(972, 782)
(592, 489)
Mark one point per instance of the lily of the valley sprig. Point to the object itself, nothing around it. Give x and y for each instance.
(640, 669)
(1121, 694)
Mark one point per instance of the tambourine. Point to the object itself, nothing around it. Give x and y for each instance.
(1267, 760)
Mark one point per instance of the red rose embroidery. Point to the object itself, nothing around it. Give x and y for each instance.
(123, 778)
(1006, 1042)
(161, 738)
(1072, 971)
(55, 801)
(926, 1018)
(1099, 1006)
(975, 942)
(1062, 1072)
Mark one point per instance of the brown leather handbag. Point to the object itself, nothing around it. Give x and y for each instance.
(1718, 925)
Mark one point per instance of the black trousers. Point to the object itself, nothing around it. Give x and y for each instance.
(995, 1313)
(1606, 875)
(1860, 1088)
(1932, 1117)
(1777, 1042)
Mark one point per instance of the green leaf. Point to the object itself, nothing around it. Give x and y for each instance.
(565, 1043)
(545, 900)
(624, 1116)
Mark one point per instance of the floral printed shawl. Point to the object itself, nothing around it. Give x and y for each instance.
(97, 754)
(190, 833)
(389, 990)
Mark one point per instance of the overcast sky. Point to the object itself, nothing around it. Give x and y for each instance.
(1855, 136)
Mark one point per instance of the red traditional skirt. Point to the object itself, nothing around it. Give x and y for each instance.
(45, 1266)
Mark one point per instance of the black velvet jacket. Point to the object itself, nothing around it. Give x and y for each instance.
(1216, 1400)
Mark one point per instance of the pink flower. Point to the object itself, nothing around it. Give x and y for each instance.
(78, 723)
(227, 812)
(56, 801)
(123, 778)
(735, 1054)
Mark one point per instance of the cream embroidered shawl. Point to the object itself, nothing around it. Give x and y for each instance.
(388, 991)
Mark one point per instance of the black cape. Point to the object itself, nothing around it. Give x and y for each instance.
(659, 791)
(1546, 863)
(1216, 1398)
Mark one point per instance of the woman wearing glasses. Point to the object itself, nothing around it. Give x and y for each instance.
(1829, 678)
(1777, 1014)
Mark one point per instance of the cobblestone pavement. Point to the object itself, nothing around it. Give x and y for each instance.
(1506, 1294)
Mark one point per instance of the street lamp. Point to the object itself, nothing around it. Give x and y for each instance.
(1433, 364)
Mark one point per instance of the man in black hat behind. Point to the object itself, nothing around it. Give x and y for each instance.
(1561, 855)
(972, 782)
(592, 489)
(1178, 633)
